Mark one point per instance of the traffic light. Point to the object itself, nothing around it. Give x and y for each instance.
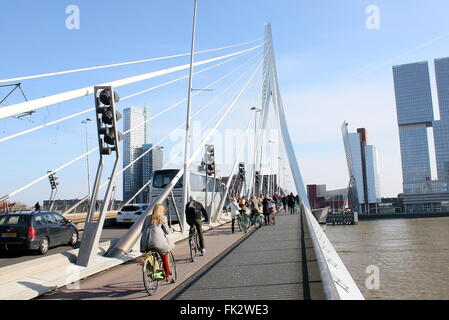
(107, 118)
(242, 171)
(209, 159)
(53, 183)
(257, 177)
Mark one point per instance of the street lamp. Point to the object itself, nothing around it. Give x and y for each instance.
(86, 121)
(255, 147)
(270, 179)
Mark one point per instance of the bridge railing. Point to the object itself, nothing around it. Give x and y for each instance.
(338, 284)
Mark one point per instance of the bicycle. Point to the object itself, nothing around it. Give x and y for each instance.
(153, 271)
(273, 216)
(256, 220)
(194, 244)
(243, 222)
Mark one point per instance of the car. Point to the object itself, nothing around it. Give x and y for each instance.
(36, 231)
(130, 213)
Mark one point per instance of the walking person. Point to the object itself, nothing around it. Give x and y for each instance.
(297, 204)
(154, 237)
(266, 209)
(194, 212)
(284, 202)
(235, 211)
(37, 206)
(291, 203)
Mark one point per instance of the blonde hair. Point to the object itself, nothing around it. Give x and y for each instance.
(158, 215)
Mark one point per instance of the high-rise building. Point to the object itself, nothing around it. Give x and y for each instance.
(415, 114)
(362, 161)
(151, 161)
(134, 120)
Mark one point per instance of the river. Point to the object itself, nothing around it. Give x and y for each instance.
(411, 255)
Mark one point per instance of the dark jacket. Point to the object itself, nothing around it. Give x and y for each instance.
(194, 210)
(266, 205)
(291, 200)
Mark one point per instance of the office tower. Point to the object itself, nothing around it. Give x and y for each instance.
(362, 162)
(414, 108)
(415, 114)
(134, 120)
(151, 161)
(441, 127)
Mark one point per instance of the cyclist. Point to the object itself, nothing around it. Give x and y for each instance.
(154, 237)
(255, 207)
(194, 211)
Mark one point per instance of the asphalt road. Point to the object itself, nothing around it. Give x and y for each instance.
(13, 257)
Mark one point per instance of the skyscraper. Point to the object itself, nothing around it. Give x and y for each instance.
(415, 114)
(362, 161)
(151, 162)
(134, 120)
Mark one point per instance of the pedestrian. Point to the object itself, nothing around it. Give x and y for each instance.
(194, 212)
(266, 209)
(291, 203)
(154, 237)
(284, 202)
(297, 203)
(235, 211)
(37, 206)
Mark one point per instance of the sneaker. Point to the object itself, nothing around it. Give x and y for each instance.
(203, 251)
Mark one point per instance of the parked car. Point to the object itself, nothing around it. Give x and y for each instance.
(36, 230)
(131, 213)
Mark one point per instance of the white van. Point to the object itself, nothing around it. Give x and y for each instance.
(131, 213)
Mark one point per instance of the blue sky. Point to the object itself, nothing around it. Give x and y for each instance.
(331, 68)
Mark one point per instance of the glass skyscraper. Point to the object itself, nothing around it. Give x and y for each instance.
(415, 114)
(362, 161)
(135, 119)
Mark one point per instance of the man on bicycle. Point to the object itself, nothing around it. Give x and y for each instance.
(194, 212)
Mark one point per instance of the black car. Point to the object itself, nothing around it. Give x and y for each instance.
(36, 230)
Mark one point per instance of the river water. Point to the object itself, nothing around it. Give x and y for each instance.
(411, 255)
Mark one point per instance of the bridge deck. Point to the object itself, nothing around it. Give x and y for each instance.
(268, 264)
(271, 264)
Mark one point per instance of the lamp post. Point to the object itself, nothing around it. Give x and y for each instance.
(270, 177)
(255, 147)
(86, 121)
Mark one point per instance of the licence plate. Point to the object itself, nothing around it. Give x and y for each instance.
(9, 235)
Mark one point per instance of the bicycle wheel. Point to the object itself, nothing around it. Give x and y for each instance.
(193, 247)
(258, 221)
(149, 282)
(173, 272)
(198, 247)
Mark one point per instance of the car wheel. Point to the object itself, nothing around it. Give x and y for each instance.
(43, 246)
(73, 239)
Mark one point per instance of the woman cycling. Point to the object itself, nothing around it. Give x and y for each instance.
(154, 237)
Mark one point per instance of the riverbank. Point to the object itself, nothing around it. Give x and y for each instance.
(418, 215)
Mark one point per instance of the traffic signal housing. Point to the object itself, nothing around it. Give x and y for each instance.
(107, 117)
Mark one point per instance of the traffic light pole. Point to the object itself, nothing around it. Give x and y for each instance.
(93, 229)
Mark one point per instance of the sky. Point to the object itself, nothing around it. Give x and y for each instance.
(334, 64)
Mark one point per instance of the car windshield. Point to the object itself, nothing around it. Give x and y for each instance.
(130, 208)
(16, 220)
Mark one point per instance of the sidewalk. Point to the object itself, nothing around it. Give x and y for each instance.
(28, 280)
(125, 281)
